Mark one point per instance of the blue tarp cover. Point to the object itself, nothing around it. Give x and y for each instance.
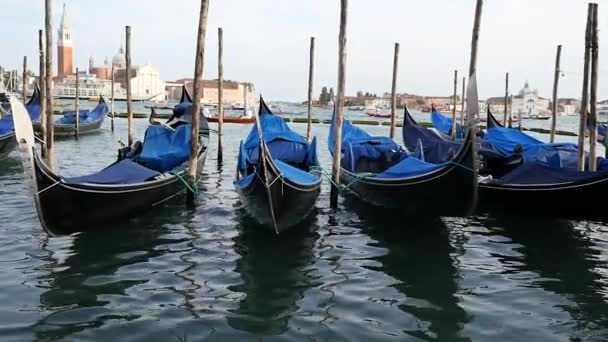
(283, 143)
(296, 175)
(444, 125)
(436, 150)
(538, 173)
(6, 124)
(164, 148)
(410, 167)
(125, 171)
(357, 144)
(85, 116)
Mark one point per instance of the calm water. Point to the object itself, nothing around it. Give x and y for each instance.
(210, 274)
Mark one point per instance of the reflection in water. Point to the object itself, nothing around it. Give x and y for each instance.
(419, 257)
(83, 278)
(275, 273)
(567, 261)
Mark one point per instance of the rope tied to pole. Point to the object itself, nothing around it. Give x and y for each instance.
(194, 190)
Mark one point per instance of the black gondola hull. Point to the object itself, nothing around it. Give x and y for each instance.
(68, 208)
(573, 200)
(7, 144)
(290, 202)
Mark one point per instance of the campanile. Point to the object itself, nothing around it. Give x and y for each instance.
(64, 47)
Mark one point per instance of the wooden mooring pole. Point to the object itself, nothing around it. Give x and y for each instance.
(196, 101)
(504, 121)
(337, 157)
(41, 85)
(311, 68)
(593, 92)
(454, 103)
(585, 97)
(474, 101)
(48, 83)
(24, 80)
(555, 85)
(220, 93)
(76, 107)
(394, 91)
(464, 87)
(112, 99)
(128, 82)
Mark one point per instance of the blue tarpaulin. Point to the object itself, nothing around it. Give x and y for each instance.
(6, 124)
(444, 125)
(410, 167)
(85, 116)
(125, 171)
(164, 148)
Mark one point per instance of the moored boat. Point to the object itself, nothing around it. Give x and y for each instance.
(186, 100)
(381, 173)
(278, 179)
(143, 177)
(89, 120)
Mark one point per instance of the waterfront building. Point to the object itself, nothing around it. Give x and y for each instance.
(528, 103)
(145, 82)
(234, 92)
(569, 106)
(64, 47)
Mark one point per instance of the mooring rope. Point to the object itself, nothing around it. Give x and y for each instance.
(341, 187)
(186, 184)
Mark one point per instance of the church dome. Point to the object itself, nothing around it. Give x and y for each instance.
(119, 60)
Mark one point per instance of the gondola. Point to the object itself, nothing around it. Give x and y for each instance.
(7, 127)
(381, 173)
(378, 115)
(89, 120)
(186, 100)
(439, 149)
(142, 178)
(277, 177)
(443, 125)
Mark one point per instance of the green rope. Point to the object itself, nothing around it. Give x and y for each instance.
(340, 187)
(193, 190)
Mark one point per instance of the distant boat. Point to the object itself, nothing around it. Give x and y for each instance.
(89, 120)
(186, 100)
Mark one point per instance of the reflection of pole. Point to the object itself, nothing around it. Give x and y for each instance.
(555, 85)
(196, 101)
(593, 94)
(48, 83)
(394, 90)
(585, 98)
(340, 105)
(41, 85)
(311, 67)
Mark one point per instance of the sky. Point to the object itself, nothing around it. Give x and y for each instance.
(267, 41)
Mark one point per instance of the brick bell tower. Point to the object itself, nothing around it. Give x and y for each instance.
(64, 47)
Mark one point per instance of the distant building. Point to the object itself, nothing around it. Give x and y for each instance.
(528, 103)
(145, 82)
(377, 103)
(64, 47)
(234, 92)
(496, 104)
(568, 106)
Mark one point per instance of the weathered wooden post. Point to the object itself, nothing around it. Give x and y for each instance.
(220, 93)
(454, 102)
(511, 113)
(128, 82)
(112, 98)
(311, 67)
(198, 76)
(340, 105)
(76, 107)
(504, 121)
(41, 85)
(464, 87)
(48, 83)
(585, 97)
(394, 91)
(24, 79)
(473, 108)
(555, 85)
(593, 93)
